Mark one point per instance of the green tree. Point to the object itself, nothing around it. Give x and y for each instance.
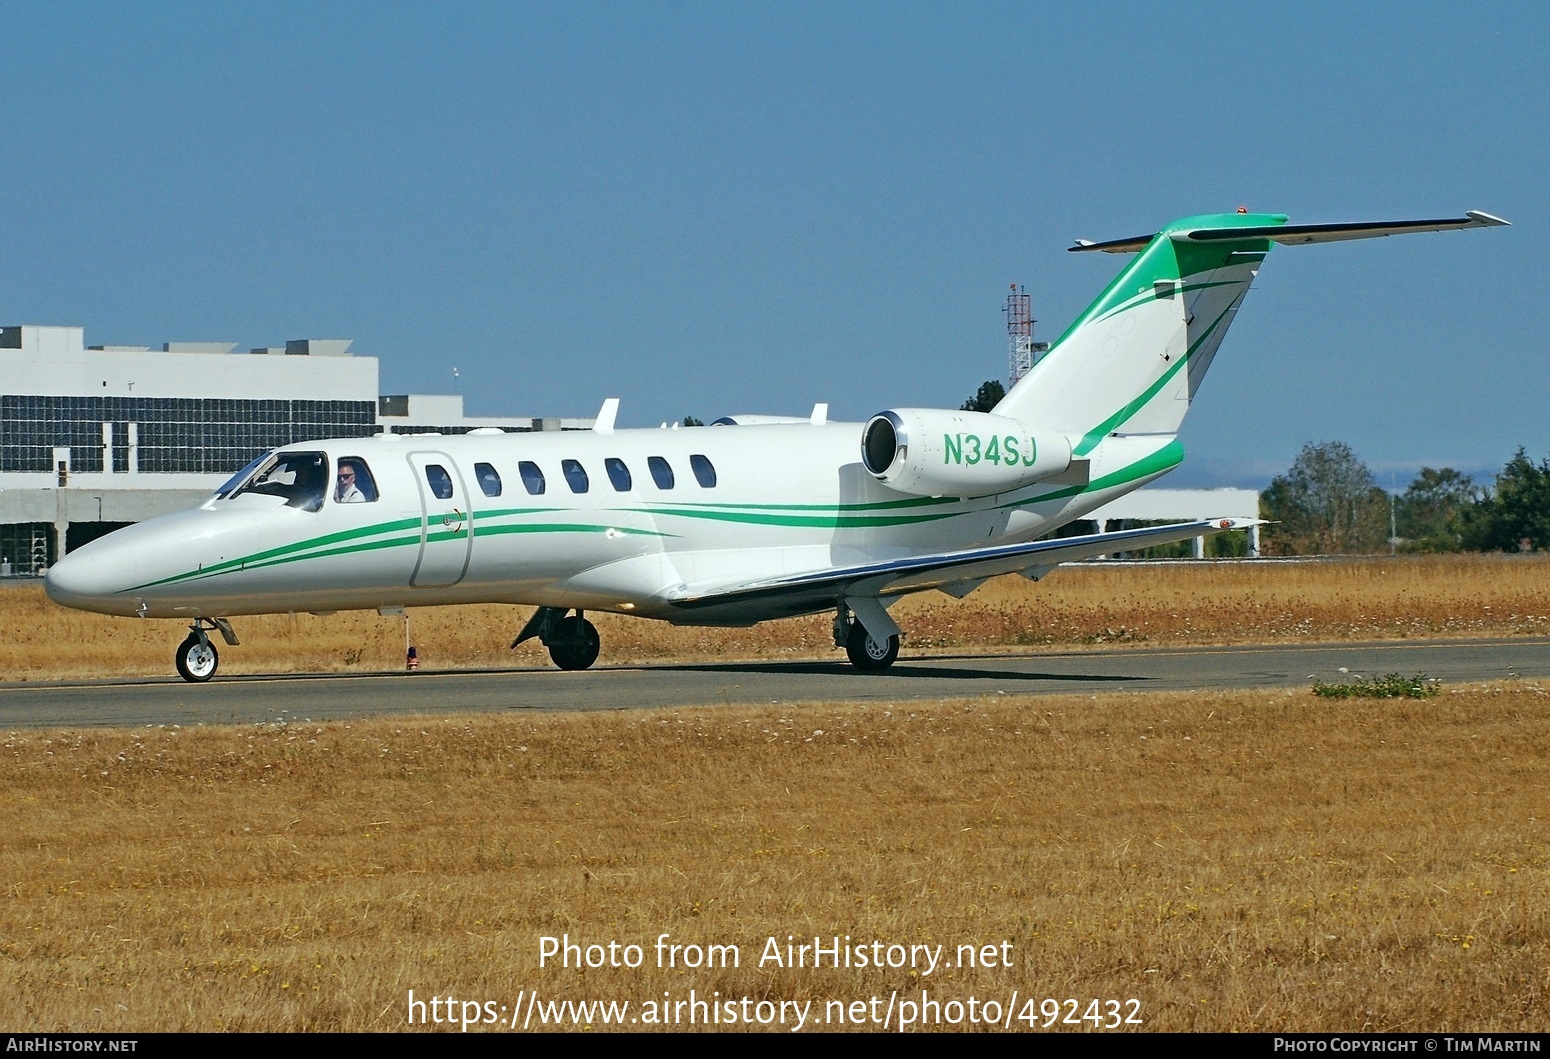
(690, 421)
(1517, 510)
(1326, 504)
(1430, 515)
(987, 397)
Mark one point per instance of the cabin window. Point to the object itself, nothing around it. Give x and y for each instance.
(618, 473)
(661, 472)
(439, 480)
(575, 474)
(353, 483)
(532, 477)
(489, 479)
(704, 471)
(301, 478)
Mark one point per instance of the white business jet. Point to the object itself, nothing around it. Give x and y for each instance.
(761, 518)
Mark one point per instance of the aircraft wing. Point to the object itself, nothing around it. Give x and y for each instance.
(806, 593)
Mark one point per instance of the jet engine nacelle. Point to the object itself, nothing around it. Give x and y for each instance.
(936, 452)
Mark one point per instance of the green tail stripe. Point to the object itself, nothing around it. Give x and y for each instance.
(1152, 296)
(1102, 430)
(1165, 458)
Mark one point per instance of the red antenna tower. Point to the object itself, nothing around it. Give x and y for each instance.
(1019, 332)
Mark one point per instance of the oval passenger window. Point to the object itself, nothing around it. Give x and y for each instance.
(439, 480)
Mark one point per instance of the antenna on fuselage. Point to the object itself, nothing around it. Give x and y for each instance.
(604, 424)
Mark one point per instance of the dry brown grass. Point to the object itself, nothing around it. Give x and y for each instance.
(1255, 860)
(1162, 604)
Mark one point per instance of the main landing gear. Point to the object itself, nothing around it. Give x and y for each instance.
(573, 642)
(197, 659)
(867, 652)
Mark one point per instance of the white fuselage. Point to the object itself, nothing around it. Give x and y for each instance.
(785, 499)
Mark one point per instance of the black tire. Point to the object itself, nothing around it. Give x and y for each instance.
(574, 644)
(197, 660)
(866, 653)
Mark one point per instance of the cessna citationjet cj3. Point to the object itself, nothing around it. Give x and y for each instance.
(731, 525)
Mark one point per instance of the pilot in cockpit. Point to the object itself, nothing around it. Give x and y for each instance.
(346, 490)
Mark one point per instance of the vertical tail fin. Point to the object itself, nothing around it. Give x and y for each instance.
(1132, 362)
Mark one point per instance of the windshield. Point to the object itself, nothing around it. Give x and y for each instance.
(301, 478)
(237, 479)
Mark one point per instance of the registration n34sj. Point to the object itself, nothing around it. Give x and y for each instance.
(761, 518)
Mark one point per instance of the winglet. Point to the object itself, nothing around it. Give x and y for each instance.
(604, 424)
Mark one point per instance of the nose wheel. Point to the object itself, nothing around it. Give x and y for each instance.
(197, 659)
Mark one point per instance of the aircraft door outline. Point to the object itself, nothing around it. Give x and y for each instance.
(446, 523)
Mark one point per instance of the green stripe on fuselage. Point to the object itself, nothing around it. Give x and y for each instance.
(332, 545)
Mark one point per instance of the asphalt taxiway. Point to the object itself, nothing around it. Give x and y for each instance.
(294, 698)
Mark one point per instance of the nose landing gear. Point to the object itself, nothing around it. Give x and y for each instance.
(197, 658)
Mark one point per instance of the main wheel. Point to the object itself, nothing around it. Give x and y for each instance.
(197, 660)
(867, 653)
(575, 644)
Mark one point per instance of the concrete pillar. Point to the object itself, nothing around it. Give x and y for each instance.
(1197, 547)
(1253, 542)
(61, 483)
(61, 524)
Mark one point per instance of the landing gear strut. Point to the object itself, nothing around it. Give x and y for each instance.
(573, 642)
(866, 652)
(197, 659)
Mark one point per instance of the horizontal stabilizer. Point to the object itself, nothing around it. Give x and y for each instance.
(1293, 234)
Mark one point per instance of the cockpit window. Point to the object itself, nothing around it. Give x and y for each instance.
(241, 476)
(301, 478)
(353, 483)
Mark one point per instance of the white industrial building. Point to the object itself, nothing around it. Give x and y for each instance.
(1182, 505)
(95, 437)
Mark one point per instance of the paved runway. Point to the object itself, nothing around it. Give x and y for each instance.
(260, 699)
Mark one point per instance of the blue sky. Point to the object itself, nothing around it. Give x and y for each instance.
(716, 208)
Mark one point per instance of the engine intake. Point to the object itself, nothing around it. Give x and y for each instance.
(936, 452)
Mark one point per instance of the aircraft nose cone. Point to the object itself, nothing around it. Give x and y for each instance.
(85, 582)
